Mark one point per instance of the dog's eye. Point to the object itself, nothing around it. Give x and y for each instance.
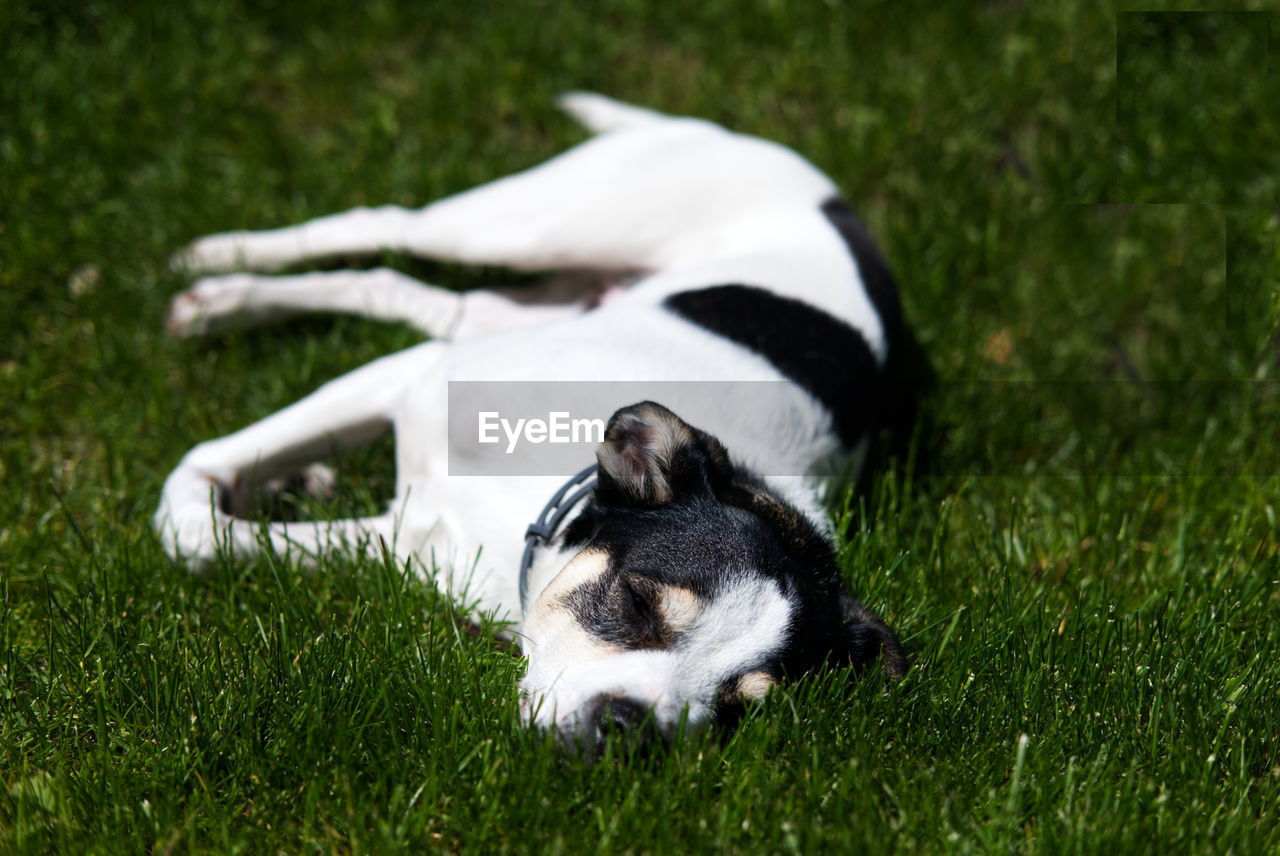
(638, 600)
(639, 603)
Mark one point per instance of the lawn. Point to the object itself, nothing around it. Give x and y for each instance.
(1081, 207)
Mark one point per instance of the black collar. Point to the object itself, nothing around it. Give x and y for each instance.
(541, 530)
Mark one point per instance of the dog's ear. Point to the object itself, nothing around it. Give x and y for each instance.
(650, 457)
(867, 638)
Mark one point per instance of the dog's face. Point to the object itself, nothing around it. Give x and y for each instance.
(687, 589)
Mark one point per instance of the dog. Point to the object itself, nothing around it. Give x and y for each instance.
(692, 567)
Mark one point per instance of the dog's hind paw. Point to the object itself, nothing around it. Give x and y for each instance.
(316, 481)
(320, 481)
(220, 253)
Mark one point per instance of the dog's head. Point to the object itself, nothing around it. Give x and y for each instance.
(684, 588)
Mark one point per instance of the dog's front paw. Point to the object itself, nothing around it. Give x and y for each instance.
(189, 522)
(208, 304)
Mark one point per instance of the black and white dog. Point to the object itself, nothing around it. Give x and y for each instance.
(698, 569)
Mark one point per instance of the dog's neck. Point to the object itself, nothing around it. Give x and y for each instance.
(544, 528)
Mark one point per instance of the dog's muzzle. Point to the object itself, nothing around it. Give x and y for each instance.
(615, 715)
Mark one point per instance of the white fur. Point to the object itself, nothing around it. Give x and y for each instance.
(683, 202)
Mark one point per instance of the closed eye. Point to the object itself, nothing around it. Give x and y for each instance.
(637, 600)
(626, 609)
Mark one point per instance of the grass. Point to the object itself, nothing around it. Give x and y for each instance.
(1085, 572)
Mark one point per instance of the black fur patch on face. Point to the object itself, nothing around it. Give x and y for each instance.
(826, 357)
(827, 623)
(714, 524)
(696, 546)
(621, 609)
(702, 544)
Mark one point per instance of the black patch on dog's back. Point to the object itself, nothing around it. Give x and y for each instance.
(906, 369)
(826, 357)
(872, 267)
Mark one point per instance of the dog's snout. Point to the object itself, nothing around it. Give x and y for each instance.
(618, 713)
(624, 717)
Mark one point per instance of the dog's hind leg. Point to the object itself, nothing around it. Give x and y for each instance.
(345, 413)
(219, 303)
(453, 228)
(650, 194)
(358, 232)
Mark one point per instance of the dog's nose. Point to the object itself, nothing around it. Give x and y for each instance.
(624, 716)
(615, 712)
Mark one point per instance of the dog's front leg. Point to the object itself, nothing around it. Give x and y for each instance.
(348, 412)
